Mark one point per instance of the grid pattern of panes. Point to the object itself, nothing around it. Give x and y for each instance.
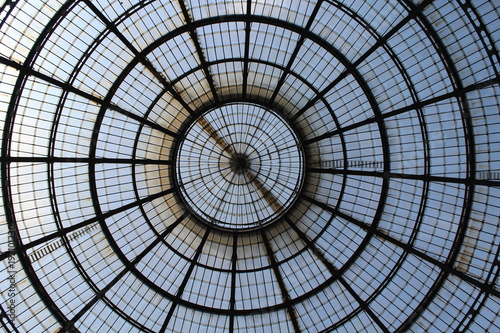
(239, 166)
(395, 226)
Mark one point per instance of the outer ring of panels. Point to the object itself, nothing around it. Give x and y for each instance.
(396, 224)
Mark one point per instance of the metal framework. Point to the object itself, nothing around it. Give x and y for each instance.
(250, 166)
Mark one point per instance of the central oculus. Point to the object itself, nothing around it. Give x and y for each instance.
(239, 166)
(239, 163)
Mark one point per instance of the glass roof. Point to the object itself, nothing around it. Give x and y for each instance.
(250, 166)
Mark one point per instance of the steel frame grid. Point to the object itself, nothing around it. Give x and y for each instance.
(415, 14)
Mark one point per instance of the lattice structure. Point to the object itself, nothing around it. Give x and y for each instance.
(250, 166)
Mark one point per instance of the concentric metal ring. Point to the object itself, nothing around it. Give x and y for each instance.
(387, 221)
(239, 166)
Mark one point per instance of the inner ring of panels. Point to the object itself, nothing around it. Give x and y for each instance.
(394, 227)
(239, 166)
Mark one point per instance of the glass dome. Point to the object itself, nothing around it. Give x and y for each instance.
(250, 166)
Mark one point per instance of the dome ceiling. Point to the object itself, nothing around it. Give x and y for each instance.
(250, 166)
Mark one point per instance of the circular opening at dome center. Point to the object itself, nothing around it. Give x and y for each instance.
(239, 166)
(239, 163)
